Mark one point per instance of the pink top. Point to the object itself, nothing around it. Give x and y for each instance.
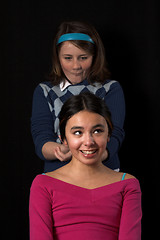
(62, 211)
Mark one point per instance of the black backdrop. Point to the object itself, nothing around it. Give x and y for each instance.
(130, 32)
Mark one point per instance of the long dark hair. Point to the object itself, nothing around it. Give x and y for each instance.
(84, 101)
(99, 71)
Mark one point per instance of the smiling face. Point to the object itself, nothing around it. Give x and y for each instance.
(87, 137)
(75, 62)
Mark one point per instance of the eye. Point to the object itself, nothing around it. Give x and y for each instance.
(77, 133)
(83, 57)
(68, 58)
(98, 131)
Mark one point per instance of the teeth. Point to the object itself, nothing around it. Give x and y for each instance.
(89, 152)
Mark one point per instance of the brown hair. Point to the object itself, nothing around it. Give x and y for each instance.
(99, 71)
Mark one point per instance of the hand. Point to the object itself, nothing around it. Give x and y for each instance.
(105, 155)
(62, 153)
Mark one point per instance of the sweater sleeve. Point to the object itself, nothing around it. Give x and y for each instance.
(40, 212)
(116, 103)
(41, 122)
(130, 225)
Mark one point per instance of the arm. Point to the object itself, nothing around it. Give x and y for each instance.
(42, 129)
(116, 103)
(130, 224)
(40, 212)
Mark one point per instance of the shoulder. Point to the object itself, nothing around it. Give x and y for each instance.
(43, 88)
(44, 85)
(131, 183)
(59, 174)
(108, 88)
(37, 180)
(40, 182)
(46, 89)
(42, 187)
(128, 176)
(125, 178)
(120, 176)
(112, 85)
(41, 192)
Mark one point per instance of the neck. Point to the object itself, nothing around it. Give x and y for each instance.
(84, 171)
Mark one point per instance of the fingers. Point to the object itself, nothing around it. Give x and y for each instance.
(62, 156)
(105, 155)
(58, 153)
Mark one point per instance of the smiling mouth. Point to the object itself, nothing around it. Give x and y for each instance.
(88, 152)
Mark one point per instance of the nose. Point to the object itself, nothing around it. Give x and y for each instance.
(88, 140)
(76, 64)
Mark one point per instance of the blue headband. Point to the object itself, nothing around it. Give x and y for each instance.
(74, 36)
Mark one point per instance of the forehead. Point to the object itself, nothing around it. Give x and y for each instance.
(69, 48)
(86, 120)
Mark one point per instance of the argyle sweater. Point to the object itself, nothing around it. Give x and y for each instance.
(47, 103)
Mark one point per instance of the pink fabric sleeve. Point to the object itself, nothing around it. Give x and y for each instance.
(40, 212)
(130, 225)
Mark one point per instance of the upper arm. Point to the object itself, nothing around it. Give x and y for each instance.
(42, 126)
(130, 224)
(116, 103)
(40, 213)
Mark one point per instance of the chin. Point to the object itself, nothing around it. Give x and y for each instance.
(76, 79)
(89, 161)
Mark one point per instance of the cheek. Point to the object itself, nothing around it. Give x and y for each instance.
(73, 143)
(64, 66)
(87, 65)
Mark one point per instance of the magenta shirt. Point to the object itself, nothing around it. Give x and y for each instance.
(62, 211)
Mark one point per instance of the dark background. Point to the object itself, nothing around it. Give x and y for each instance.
(130, 33)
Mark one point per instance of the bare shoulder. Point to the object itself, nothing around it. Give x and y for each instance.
(50, 174)
(128, 176)
(58, 173)
(118, 176)
(53, 174)
(121, 175)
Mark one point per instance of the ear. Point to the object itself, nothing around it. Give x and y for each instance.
(63, 141)
(60, 138)
(108, 139)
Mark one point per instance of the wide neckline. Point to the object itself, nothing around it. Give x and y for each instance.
(90, 189)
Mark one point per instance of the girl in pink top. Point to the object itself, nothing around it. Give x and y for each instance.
(85, 200)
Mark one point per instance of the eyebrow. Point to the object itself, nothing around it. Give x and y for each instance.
(67, 54)
(79, 127)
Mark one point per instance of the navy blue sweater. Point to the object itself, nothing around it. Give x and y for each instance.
(47, 103)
